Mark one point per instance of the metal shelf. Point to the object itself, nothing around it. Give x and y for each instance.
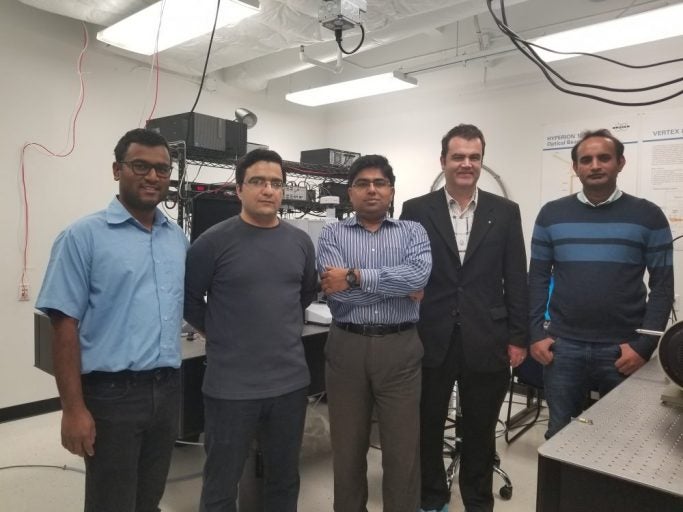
(313, 176)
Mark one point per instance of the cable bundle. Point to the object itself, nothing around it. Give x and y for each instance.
(528, 49)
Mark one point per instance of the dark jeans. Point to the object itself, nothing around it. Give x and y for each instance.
(480, 397)
(136, 422)
(577, 368)
(229, 429)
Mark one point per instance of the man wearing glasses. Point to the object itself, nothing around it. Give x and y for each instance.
(373, 269)
(258, 274)
(114, 293)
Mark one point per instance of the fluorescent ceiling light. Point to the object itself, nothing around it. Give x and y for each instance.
(181, 21)
(343, 91)
(618, 33)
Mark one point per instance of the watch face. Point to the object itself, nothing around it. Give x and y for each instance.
(351, 278)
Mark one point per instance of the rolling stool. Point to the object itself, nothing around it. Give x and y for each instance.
(451, 451)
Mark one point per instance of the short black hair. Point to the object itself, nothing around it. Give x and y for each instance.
(139, 136)
(602, 132)
(464, 131)
(256, 155)
(371, 161)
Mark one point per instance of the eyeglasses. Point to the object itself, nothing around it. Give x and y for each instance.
(257, 182)
(365, 184)
(142, 168)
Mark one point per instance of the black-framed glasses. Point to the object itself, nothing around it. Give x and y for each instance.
(258, 182)
(142, 168)
(363, 184)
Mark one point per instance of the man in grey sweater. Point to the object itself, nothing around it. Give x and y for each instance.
(258, 275)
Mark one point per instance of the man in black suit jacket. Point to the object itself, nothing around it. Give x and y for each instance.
(473, 318)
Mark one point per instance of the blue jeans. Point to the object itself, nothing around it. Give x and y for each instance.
(229, 429)
(136, 422)
(577, 368)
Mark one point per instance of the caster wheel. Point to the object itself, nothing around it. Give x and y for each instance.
(505, 492)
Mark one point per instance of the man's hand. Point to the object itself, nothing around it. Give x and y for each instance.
(629, 361)
(417, 296)
(333, 280)
(540, 350)
(78, 432)
(517, 355)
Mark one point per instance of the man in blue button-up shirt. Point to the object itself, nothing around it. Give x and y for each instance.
(114, 293)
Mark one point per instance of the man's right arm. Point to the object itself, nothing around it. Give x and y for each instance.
(540, 272)
(199, 268)
(78, 426)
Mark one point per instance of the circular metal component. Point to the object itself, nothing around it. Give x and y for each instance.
(671, 353)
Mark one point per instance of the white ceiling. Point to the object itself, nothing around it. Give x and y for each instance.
(412, 34)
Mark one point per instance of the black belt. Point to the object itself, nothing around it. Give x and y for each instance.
(130, 375)
(375, 329)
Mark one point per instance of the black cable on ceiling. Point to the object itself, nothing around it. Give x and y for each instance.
(338, 38)
(527, 49)
(208, 53)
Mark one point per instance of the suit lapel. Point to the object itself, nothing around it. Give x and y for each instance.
(441, 216)
(483, 220)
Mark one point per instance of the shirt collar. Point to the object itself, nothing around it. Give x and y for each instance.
(472, 204)
(117, 214)
(353, 221)
(613, 197)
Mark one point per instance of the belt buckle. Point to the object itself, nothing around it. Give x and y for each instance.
(374, 330)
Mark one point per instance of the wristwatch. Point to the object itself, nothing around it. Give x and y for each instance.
(351, 278)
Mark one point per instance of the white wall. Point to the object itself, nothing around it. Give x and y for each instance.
(39, 87)
(511, 106)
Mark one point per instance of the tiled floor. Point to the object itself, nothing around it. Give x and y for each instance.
(35, 441)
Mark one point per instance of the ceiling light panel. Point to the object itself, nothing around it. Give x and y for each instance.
(353, 89)
(181, 20)
(618, 33)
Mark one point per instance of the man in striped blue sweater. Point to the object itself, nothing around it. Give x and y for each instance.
(596, 245)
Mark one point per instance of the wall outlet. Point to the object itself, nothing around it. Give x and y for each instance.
(23, 293)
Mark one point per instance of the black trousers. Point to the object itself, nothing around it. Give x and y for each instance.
(480, 396)
(136, 417)
(230, 427)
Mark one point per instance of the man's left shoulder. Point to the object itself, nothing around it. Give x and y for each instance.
(408, 225)
(487, 198)
(292, 230)
(177, 232)
(296, 234)
(643, 209)
(639, 201)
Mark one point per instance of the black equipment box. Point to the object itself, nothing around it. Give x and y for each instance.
(329, 156)
(330, 188)
(210, 209)
(206, 137)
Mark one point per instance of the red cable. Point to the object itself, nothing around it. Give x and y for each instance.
(24, 188)
(155, 61)
(156, 88)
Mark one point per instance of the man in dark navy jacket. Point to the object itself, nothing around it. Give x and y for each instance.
(473, 318)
